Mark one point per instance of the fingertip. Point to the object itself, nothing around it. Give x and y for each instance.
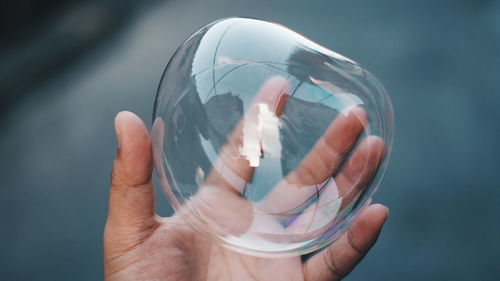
(120, 120)
(380, 209)
(358, 113)
(374, 216)
(120, 117)
(125, 118)
(134, 156)
(117, 122)
(376, 144)
(274, 92)
(129, 126)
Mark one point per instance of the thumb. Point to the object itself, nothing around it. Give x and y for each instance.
(131, 217)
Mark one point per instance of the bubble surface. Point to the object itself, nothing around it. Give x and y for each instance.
(265, 141)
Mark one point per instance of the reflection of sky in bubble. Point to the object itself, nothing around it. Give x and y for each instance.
(328, 94)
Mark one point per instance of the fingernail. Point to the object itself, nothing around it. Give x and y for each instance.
(387, 211)
(117, 131)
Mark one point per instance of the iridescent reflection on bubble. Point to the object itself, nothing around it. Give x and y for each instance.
(265, 141)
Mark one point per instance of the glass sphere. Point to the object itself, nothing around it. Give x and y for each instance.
(265, 141)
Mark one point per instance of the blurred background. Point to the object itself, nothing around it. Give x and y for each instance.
(67, 67)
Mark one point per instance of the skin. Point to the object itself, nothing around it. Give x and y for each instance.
(140, 245)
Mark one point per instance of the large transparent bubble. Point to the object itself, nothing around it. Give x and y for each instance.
(265, 141)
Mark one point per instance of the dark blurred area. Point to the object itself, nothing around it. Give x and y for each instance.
(67, 68)
(40, 38)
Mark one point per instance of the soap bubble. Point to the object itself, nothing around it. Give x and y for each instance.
(265, 141)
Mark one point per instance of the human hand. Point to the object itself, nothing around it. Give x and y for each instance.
(139, 245)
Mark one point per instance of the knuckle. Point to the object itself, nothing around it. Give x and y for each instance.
(358, 250)
(331, 265)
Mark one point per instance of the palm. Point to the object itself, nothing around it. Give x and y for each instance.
(175, 252)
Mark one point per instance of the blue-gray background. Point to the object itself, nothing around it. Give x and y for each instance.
(439, 61)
